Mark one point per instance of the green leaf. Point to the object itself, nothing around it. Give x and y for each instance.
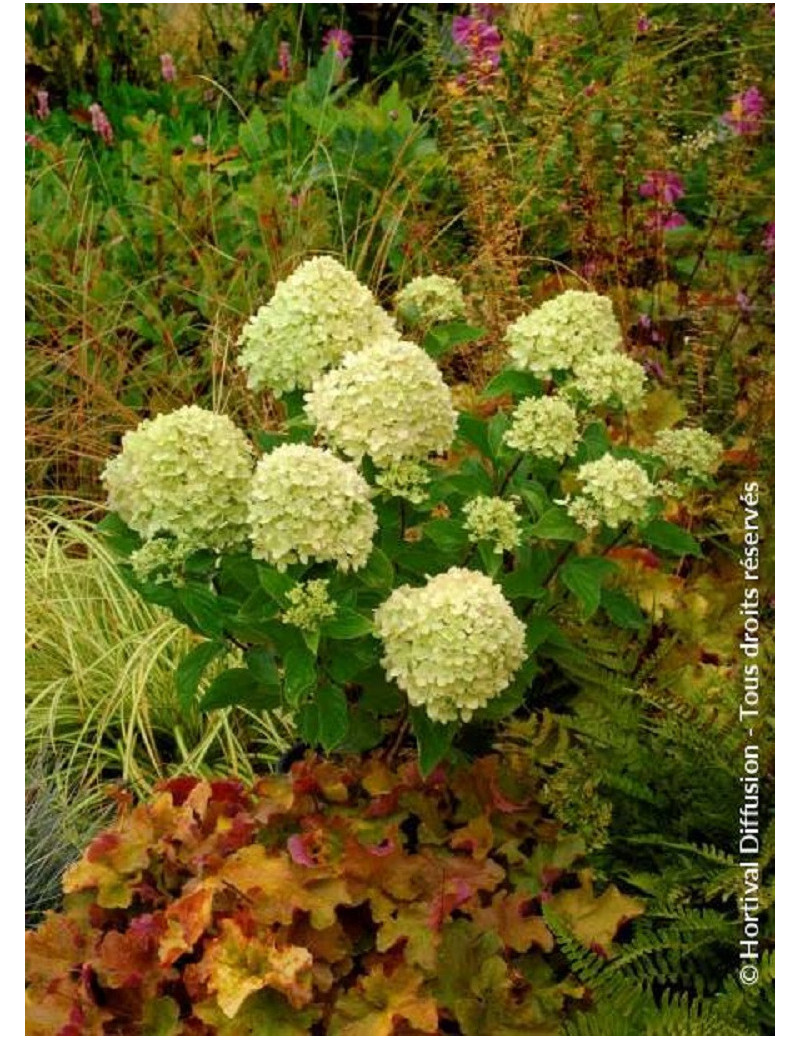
(380, 695)
(192, 668)
(118, 536)
(269, 439)
(622, 610)
(433, 739)
(594, 443)
(238, 686)
(441, 339)
(447, 535)
(378, 572)
(584, 577)
(510, 381)
(204, 608)
(498, 425)
(535, 498)
(333, 716)
(474, 431)
(348, 624)
(661, 534)
(539, 631)
(262, 664)
(275, 583)
(300, 673)
(558, 525)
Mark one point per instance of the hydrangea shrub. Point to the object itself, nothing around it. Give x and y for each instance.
(389, 565)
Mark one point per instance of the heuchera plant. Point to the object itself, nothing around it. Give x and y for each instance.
(388, 564)
(349, 899)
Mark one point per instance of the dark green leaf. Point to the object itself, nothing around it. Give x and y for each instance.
(204, 608)
(510, 381)
(348, 624)
(661, 534)
(238, 686)
(594, 443)
(622, 610)
(118, 536)
(378, 572)
(262, 664)
(558, 525)
(433, 739)
(475, 431)
(442, 338)
(447, 535)
(300, 673)
(584, 577)
(333, 716)
(275, 583)
(191, 669)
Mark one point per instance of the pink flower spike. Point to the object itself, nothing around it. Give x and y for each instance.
(746, 113)
(167, 68)
(664, 186)
(32, 140)
(42, 104)
(100, 123)
(643, 24)
(95, 15)
(285, 59)
(769, 237)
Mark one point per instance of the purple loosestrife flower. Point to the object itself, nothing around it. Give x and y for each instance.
(100, 123)
(643, 24)
(769, 237)
(744, 303)
(746, 113)
(340, 40)
(32, 140)
(285, 59)
(42, 104)
(95, 15)
(481, 40)
(664, 186)
(167, 68)
(661, 221)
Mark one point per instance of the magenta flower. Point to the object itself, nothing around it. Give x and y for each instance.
(660, 220)
(95, 15)
(340, 40)
(167, 68)
(746, 112)
(32, 140)
(42, 104)
(481, 40)
(769, 237)
(285, 59)
(664, 186)
(643, 24)
(100, 123)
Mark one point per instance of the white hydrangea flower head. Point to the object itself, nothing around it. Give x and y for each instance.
(563, 331)
(307, 504)
(388, 401)
(611, 378)
(614, 492)
(309, 605)
(405, 479)
(546, 427)
(187, 474)
(451, 645)
(318, 314)
(492, 520)
(693, 451)
(432, 299)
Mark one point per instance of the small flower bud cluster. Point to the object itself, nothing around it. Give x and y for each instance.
(309, 605)
(492, 520)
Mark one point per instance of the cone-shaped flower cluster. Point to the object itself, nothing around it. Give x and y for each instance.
(546, 427)
(306, 504)
(692, 451)
(186, 474)
(389, 401)
(318, 314)
(614, 492)
(432, 299)
(452, 645)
